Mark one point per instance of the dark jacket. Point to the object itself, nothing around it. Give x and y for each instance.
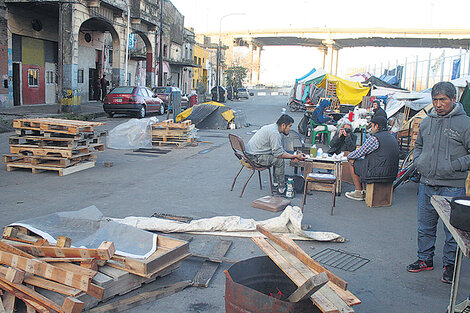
(340, 144)
(380, 112)
(442, 148)
(318, 117)
(382, 164)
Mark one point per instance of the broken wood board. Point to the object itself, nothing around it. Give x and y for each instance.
(169, 251)
(142, 298)
(302, 256)
(104, 252)
(312, 285)
(62, 171)
(208, 268)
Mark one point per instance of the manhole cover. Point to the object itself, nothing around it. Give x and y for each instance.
(340, 259)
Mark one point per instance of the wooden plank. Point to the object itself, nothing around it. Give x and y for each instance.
(312, 285)
(64, 242)
(318, 298)
(14, 275)
(67, 260)
(307, 273)
(142, 298)
(2, 308)
(46, 270)
(32, 305)
(23, 292)
(76, 269)
(11, 249)
(72, 305)
(76, 168)
(208, 268)
(9, 302)
(302, 256)
(104, 252)
(29, 307)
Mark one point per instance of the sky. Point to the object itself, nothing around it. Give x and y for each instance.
(205, 16)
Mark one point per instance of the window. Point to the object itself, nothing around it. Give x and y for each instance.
(165, 47)
(33, 78)
(195, 60)
(199, 61)
(49, 77)
(80, 76)
(128, 79)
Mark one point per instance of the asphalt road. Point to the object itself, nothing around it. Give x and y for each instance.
(195, 181)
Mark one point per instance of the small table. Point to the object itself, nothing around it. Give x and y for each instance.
(322, 163)
(462, 238)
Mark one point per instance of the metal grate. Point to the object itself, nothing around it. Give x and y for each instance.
(340, 259)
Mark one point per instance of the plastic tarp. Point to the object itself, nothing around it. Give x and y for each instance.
(414, 100)
(289, 222)
(88, 228)
(375, 81)
(132, 134)
(210, 115)
(228, 115)
(313, 75)
(348, 92)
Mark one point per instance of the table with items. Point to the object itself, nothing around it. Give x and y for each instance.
(442, 206)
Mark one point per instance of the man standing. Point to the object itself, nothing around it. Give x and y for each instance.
(265, 148)
(344, 140)
(377, 109)
(376, 160)
(104, 87)
(442, 156)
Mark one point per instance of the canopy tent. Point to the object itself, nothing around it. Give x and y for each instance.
(208, 115)
(304, 86)
(311, 76)
(348, 92)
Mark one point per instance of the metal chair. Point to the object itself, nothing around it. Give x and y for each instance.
(238, 147)
(325, 179)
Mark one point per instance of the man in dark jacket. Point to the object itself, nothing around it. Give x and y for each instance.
(104, 87)
(344, 140)
(378, 111)
(442, 156)
(376, 160)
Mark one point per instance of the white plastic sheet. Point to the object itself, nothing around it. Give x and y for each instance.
(289, 222)
(133, 134)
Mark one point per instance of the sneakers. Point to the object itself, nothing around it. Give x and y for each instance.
(419, 266)
(358, 195)
(448, 274)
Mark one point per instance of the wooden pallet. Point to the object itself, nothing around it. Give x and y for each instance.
(55, 125)
(170, 124)
(39, 168)
(63, 152)
(177, 143)
(49, 160)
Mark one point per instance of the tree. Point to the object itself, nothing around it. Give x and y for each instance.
(235, 75)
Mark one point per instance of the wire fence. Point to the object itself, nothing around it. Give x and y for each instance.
(422, 73)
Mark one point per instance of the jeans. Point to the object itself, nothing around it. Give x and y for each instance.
(276, 163)
(427, 224)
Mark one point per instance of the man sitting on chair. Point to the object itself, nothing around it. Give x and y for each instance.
(320, 118)
(376, 160)
(344, 140)
(265, 148)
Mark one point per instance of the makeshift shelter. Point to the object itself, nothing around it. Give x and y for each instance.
(305, 86)
(208, 115)
(348, 92)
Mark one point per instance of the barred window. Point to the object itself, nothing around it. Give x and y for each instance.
(33, 78)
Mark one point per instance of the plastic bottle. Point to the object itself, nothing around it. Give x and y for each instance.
(290, 188)
(283, 110)
(313, 151)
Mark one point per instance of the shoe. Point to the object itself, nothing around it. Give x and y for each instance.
(419, 266)
(355, 195)
(448, 274)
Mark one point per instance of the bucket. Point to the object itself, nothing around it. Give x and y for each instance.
(258, 285)
(460, 213)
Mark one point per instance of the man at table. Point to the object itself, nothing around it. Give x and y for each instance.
(265, 148)
(344, 140)
(376, 161)
(321, 120)
(442, 156)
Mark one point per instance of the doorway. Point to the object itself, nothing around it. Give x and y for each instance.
(93, 90)
(16, 84)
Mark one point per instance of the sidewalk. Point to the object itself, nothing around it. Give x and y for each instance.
(89, 111)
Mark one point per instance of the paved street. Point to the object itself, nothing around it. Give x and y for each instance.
(195, 182)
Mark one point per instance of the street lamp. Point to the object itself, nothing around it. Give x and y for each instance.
(217, 74)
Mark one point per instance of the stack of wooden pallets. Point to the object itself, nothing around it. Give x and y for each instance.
(66, 146)
(60, 278)
(170, 133)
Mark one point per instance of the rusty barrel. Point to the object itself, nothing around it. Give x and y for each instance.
(258, 285)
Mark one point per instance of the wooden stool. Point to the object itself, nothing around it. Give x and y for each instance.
(379, 194)
(318, 178)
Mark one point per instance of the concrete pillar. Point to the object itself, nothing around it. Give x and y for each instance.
(71, 99)
(150, 70)
(250, 68)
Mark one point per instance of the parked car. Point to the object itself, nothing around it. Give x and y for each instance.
(132, 100)
(165, 92)
(243, 93)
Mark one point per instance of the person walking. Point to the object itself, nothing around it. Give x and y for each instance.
(442, 157)
(104, 87)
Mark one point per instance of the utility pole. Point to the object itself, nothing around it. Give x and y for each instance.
(160, 47)
(127, 42)
(60, 63)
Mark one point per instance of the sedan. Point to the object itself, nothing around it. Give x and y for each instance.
(133, 100)
(242, 93)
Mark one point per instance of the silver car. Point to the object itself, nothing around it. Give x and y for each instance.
(242, 93)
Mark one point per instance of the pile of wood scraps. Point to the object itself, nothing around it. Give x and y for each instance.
(331, 297)
(60, 278)
(170, 133)
(65, 146)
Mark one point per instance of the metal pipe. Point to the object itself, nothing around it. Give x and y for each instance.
(160, 47)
